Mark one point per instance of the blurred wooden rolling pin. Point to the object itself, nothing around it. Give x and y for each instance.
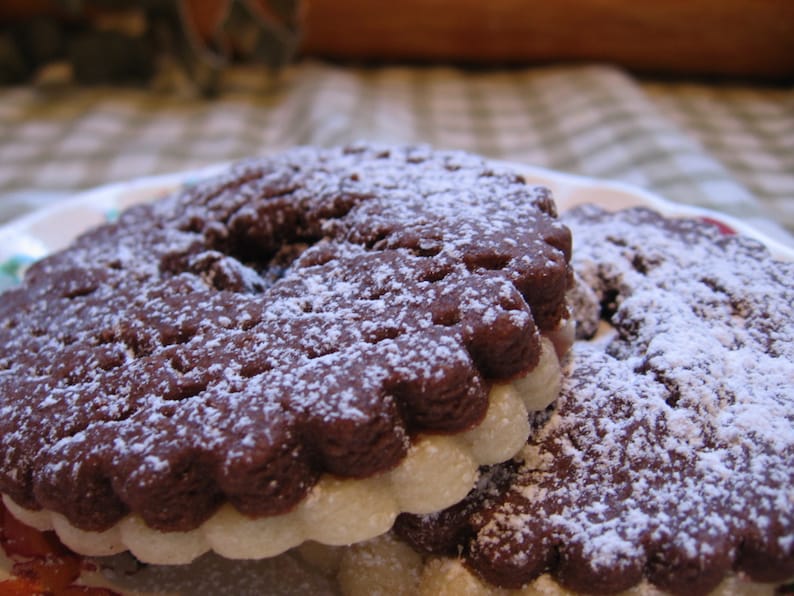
(735, 38)
(751, 39)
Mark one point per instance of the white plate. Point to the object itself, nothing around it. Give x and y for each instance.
(46, 230)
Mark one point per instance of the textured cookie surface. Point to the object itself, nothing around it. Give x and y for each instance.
(304, 314)
(670, 455)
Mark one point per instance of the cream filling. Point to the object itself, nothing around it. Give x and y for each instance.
(438, 471)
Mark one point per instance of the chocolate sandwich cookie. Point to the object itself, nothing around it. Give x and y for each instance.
(668, 459)
(300, 348)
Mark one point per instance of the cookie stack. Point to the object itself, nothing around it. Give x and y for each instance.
(393, 361)
(300, 349)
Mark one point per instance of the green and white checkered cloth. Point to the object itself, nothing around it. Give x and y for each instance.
(729, 148)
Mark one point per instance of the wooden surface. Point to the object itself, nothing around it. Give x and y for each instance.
(749, 38)
(736, 38)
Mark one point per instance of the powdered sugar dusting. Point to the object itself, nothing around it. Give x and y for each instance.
(670, 454)
(302, 314)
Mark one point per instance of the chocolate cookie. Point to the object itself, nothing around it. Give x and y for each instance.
(312, 315)
(669, 457)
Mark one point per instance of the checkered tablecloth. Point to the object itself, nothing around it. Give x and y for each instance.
(729, 148)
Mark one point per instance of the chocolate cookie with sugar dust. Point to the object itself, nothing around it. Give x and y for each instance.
(667, 463)
(298, 349)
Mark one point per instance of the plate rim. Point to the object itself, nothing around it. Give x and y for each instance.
(567, 190)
